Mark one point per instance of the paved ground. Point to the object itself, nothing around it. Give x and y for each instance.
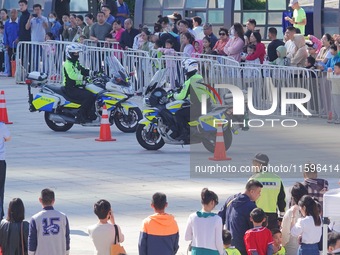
(81, 170)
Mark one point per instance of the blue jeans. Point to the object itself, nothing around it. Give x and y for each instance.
(308, 249)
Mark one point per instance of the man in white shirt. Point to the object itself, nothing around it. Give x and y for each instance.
(198, 28)
(103, 233)
(290, 45)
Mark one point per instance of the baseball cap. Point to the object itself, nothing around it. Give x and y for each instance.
(261, 158)
(293, 2)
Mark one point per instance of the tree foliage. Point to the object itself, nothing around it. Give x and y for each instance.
(131, 4)
(254, 4)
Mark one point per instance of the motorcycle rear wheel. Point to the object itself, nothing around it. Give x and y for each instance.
(58, 127)
(130, 126)
(141, 133)
(209, 144)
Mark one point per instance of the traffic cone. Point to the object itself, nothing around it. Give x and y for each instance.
(3, 109)
(105, 131)
(220, 153)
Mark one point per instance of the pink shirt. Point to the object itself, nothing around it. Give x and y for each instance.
(234, 47)
(117, 36)
(219, 46)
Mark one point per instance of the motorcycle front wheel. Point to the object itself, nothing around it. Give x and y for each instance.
(128, 123)
(209, 144)
(58, 127)
(149, 138)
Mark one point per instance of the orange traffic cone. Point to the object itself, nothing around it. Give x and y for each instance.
(105, 131)
(3, 109)
(220, 152)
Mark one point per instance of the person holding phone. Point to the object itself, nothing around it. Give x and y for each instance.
(38, 24)
(103, 232)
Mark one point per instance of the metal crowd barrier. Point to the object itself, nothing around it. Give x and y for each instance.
(49, 57)
(279, 77)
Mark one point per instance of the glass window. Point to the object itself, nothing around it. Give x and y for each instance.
(237, 6)
(196, 4)
(330, 18)
(275, 18)
(260, 17)
(78, 6)
(14, 4)
(153, 3)
(262, 32)
(237, 17)
(216, 16)
(254, 4)
(173, 3)
(276, 5)
(150, 16)
(203, 16)
(10, 5)
(216, 3)
(332, 4)
(310, 3)
(331, 30)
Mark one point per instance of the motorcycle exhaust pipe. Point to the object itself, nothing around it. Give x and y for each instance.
(61, 118)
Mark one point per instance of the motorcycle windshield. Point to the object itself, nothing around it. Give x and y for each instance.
(158, 80)
(118, 71)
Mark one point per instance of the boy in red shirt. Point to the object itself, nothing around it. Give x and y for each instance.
(258, 240)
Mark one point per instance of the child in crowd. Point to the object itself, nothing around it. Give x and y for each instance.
(207, 46)
(250, 51)
(170, 62)
(310, 63)
(230, 250)
(186, 41)
(198, 49)
(157, 44)
(277, 242)
(82, 39)
(258, 240)
(159, 231)
(282, 59)
(335, 93)
(312, 49)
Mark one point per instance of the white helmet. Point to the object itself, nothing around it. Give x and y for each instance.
(189, 65)
(73, 48)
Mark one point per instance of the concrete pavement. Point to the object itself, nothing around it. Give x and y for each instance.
(82, 171)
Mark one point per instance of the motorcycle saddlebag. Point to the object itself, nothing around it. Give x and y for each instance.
(45, 102)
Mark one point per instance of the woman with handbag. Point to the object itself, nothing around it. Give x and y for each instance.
(14, 230)
(204, 228)
(105, 235)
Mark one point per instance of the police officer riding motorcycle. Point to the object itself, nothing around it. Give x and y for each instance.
(192, 92)
(74, 74)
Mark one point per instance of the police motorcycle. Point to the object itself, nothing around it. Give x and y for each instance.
(61, 110)
(155, 129)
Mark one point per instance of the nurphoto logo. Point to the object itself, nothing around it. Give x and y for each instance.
(239, 105)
